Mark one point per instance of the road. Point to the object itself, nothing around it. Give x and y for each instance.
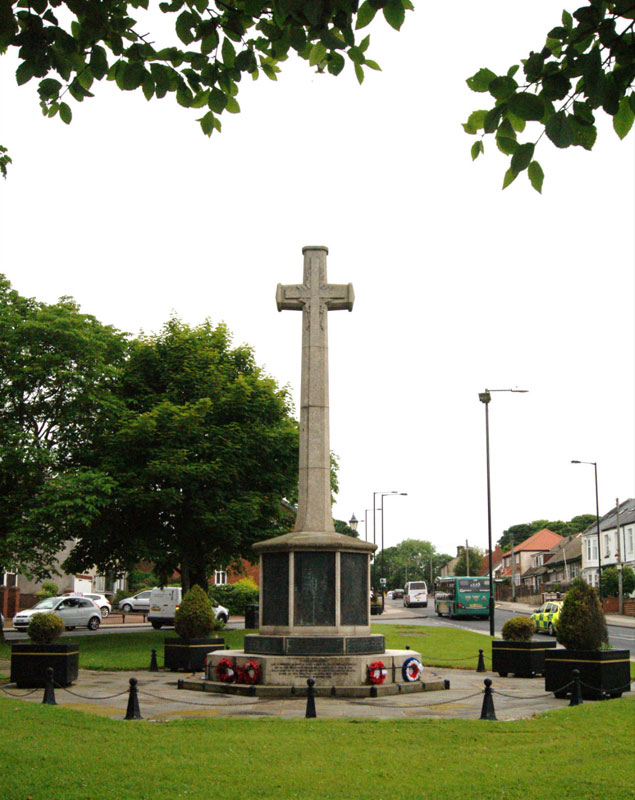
(619, 637)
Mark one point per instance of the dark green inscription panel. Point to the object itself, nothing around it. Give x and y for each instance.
(314, 589)
(354, 596)
(275, 589)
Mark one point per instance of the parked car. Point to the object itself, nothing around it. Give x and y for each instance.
(546, 618)
(75, 612)
(138, 602)
(164, 602)
(102, 602)
(397, 594)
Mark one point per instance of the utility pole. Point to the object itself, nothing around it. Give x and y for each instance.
(620, 590)
(513, 571)
(467, 558)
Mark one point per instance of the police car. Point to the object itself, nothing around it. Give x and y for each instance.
(546, 618)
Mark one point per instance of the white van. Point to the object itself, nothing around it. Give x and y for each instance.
(164, 602)
(415, 593)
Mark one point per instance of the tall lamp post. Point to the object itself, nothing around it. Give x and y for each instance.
(485, 397)
(597, 519)
(383, 579)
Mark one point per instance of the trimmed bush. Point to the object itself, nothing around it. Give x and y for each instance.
(49, 589)
(44, 628)
(235, 596)
(194, 619)
(581, 625)
(519, 629)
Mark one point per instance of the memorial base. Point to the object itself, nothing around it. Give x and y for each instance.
(343, 676)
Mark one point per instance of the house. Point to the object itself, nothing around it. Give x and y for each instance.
(612, 549)
(525, 554)
(554, 570)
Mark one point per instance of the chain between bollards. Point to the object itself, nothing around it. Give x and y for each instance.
(310, 700)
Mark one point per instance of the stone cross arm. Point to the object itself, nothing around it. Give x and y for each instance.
(335, 296)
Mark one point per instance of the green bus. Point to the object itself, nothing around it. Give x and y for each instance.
(462, 597)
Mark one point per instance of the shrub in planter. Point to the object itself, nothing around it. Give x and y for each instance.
(194, 620)
(582, 630)
(519, 629)
(45, 628)
(236, 596)
(517, 653)
(29, 662)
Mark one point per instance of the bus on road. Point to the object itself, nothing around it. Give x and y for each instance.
(462, 597)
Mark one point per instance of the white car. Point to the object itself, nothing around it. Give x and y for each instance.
(75, 612)
(138, 602)
(102, 602)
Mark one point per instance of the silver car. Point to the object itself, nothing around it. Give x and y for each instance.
(75, 612)
(138, 602)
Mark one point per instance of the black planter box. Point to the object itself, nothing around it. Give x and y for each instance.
(603, 673)
(189, 654)
(30, 661)
(523, 659)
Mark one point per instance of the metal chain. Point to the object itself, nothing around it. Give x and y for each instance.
(87, 696)
(259, 701)
(624, 688)
(415, 705)
(11, 694)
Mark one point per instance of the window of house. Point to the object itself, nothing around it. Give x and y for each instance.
(607, 546)
(9, 579)
(220, 577)
(629, 540)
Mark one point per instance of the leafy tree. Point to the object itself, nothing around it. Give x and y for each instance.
(410, 560)
(610, 581)
(587, 63)
(213, 45)
(523, 531)
(471, 566)
(58, 368)
(195, 467)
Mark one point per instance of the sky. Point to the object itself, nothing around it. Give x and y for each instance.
(459, 286)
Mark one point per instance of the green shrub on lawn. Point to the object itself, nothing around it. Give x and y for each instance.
(581, 625)
(236, 596)
(519, 629)
(44, 628)
(194, 618)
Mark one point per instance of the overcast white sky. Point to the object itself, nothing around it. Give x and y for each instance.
(459, 286)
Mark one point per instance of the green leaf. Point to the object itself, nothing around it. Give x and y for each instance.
(559, 130)
(527, 106)
(510, 177)
(556, 87)
(536, 176)
(232, 106)
(394, 13)
(209, 43)
(492, 118)
(65, 113)
(372, 65)
(98, 62)
(477, 149)
(228, 53)
(365, 15)
(207, 123)
(567, 21)
(336, 63)
(85, 78)
(217, 100)
(148, 87)
(502, 88)
(49, 88)
(359, 72)
(480, 81)
(583, 135)
(317, 54)
(184, 24)
(623, 120)
(517, 123)
(522, 157)
(507, 145)
(475, 121)
(133, 76)
(24, 72)
(583, 113)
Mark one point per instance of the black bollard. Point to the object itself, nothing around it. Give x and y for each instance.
(49, 688)
(132, 712)
(480, 667)
(310, 700)
(487, 711)
(251, 692)
(446, 684)
(576, 692)
(154, 667)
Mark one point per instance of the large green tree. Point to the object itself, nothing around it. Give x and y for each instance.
(527, 529)
(410, 560)
(470, 565)
(586, 65)
(69, 45)
(58, 371)
(194, 469)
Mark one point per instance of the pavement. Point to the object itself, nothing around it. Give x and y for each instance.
(160, 700)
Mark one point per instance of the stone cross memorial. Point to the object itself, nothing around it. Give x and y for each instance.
(315, 597)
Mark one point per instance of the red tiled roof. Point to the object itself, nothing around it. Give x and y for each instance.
(541, 540)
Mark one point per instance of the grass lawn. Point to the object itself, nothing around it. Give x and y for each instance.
(581, 753)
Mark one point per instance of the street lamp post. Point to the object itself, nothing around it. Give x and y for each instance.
(597, 519)
(382, 581)
(485, 397)
(353, 522)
